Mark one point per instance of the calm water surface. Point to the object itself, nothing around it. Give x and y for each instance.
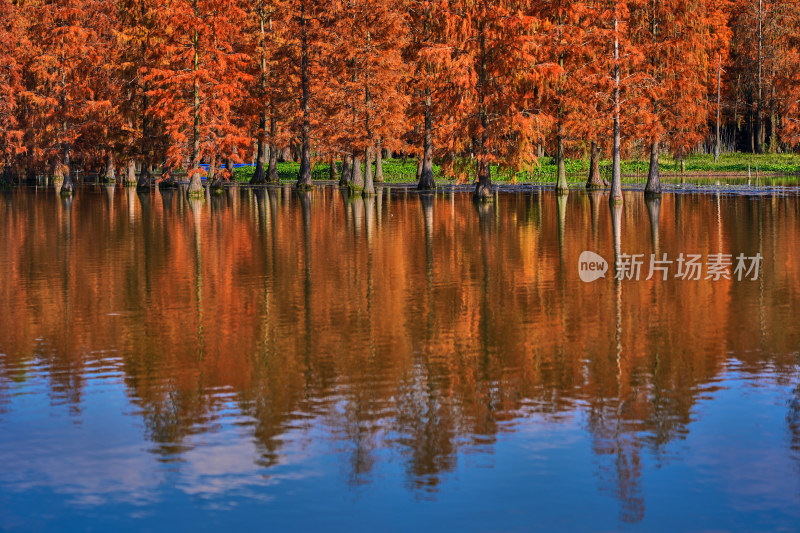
(265, 360)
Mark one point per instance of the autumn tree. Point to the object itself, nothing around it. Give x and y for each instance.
(11, 133)
(62, 70)
(565, 46)
(267, 23)
(678, 40)
(142, 135)
(302, 49)
(198, 74)
(364, 84)
(789, 83)
(491, 101)
(432, 74)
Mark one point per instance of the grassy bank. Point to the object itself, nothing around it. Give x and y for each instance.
(399, 171)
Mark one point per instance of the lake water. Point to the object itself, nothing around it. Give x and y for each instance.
(271, 361)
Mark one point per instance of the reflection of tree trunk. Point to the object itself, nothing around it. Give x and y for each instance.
(616, 227)
(196, 205)
(628, 461)
(594, 202)
(130, 197)
(793, 419)
(262, 208)
(369, 217)
(144, 202)
(348, 207)
(110, 197)
(357, 202)
(427, 213)
(561, 207)
(379, 204)
(167, 199)
(654, 211)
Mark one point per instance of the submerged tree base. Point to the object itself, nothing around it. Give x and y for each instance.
(168, 184)
(426, 182)
(216, 187)
(483, 193)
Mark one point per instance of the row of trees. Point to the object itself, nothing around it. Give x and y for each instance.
(121, 85)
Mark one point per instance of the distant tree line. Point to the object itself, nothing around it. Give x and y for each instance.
(128, 88)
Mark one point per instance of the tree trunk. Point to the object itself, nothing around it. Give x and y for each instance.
(272, 169)
(426, 181)
(483, 188)
(68, 187)
(347, 171)
(595, 181)
(143, 181)
(333, 174)
(379, 164)
(616, 174)
(718, 144)
(759, 105)
(653, 204)
(369, 186)
(195, 183)
(111, 173)
(304, 178)
(131, 172)
(561, 188)
(357, 181)
(773, 131)
(653, 187)
(260, 175)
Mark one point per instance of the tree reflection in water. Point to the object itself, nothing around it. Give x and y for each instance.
(417, 326)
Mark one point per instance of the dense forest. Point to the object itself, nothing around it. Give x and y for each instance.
(139, 90)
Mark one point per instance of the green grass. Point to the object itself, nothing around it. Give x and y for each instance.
(398, 171)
